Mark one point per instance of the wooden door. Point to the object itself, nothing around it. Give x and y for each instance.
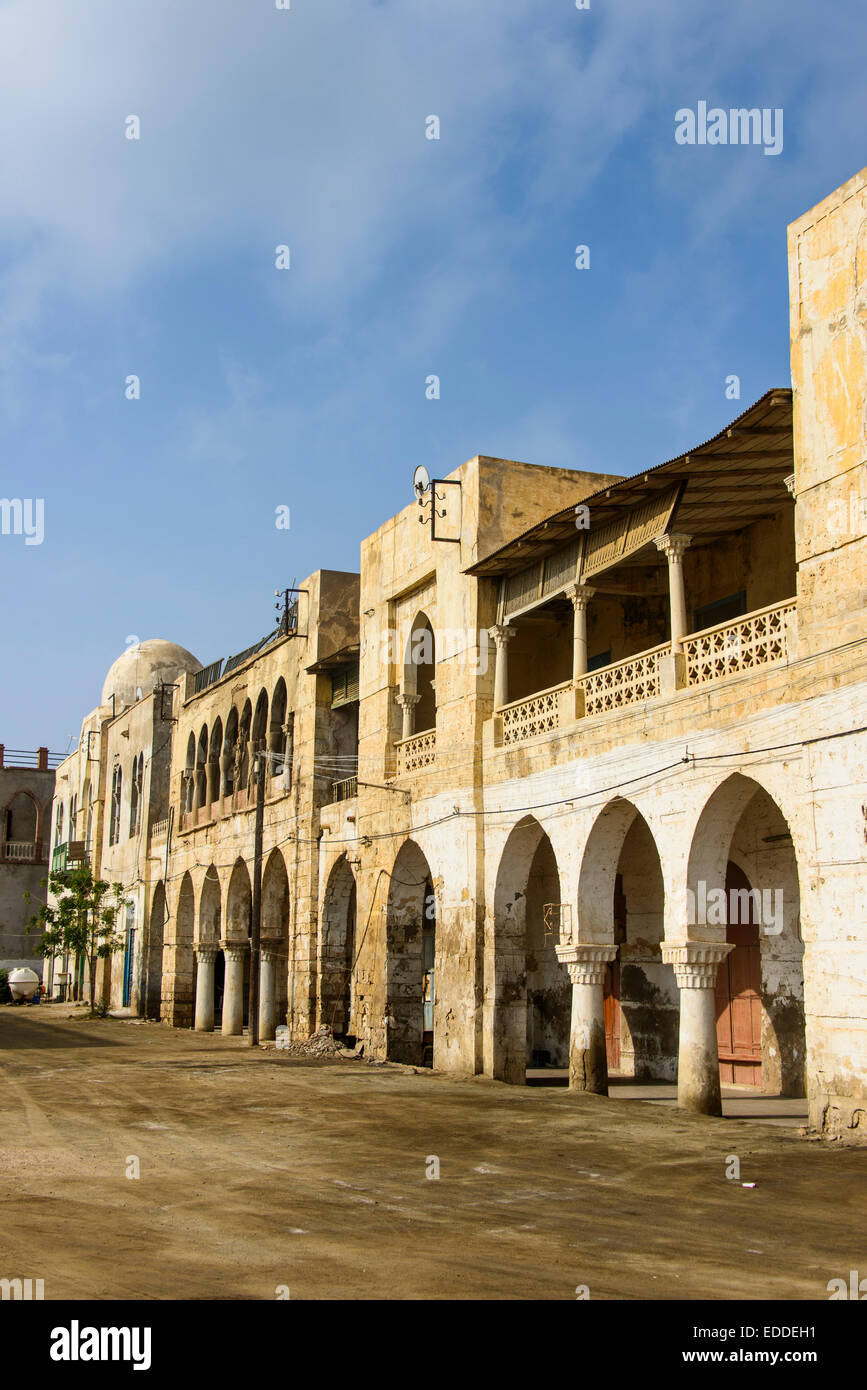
(611, 1001)
(739, 997)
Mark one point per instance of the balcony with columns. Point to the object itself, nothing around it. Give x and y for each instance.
(661, 589)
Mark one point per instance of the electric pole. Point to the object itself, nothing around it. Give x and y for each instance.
(256, 919)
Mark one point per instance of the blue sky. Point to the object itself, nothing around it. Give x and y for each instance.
(306, 387)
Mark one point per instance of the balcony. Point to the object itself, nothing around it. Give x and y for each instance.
(19, 851)
(344, 790)
(416, 753)
(764, 638)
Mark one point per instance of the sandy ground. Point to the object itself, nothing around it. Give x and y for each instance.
(259, 1171)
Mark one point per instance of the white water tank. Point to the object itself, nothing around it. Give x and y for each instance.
(23, 983)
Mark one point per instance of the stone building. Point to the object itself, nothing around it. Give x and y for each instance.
(26, 789)
(571, 775)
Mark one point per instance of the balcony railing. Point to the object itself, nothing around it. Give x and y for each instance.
(160, 829)
(417, 752)
(762, 638)
(758, 639)
(626, 682)
(344, 790)
(540, 714)
(19, 851)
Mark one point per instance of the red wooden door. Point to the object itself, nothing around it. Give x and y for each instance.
(739, 997)
(611, 1000)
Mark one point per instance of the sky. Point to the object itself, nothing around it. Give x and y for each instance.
(306, 387)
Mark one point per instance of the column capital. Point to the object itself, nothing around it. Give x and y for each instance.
(407, 701)
(502, 633)
(580, 594)
(271, 950)
(234, 950)
(695, 962)
(207, 951)
(789, 481)
(673, 545)
(586, 963)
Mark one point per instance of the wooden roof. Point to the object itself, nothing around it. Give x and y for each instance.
(728, 483)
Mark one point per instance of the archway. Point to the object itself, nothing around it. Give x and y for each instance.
(411, 947)
(743, 876)
(210, 930)
(621, 899)
(337, 948)
(275, 931)
(154, 964)
(239, 903)
(532, 992)
(184, 964)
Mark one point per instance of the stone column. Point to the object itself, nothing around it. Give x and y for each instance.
(408, 704)
(206, 954)
(502, 634)
(213, 780)
(268, 963)
(233, 990)
(187, 781)
(673, 548)
(696, 964)
(580, 594)
(225, 764)
(588, 1063)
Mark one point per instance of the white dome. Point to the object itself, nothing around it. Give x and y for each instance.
(140, 667)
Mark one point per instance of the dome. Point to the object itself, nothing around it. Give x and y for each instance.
(141, 666)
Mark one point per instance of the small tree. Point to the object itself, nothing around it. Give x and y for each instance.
(83, 922)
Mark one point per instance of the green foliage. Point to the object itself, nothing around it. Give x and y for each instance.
(83, 919)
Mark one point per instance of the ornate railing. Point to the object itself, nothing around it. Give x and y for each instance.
(344, 790)
(160, 829)
(626, 682)
(758, 639)
(19, 850)
(526, 718)
(416, 752)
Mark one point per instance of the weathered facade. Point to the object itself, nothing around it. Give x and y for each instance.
(26, 790)
(573, 774)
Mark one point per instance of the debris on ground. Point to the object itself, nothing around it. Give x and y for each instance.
(322, 1043)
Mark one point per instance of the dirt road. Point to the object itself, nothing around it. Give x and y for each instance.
(259, 1171)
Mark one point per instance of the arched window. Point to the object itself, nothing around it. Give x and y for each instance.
(58, 825)
(135, 794)
(116, 794)
(419, 673)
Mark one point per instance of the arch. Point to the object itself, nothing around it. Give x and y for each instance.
(210, 908)
(21, 817)
(230, 751)
(410, 958)
(135, 794)
(244, 735)
(419, 672)
(275, 923)
(201, 793)
(181, 1003)
(188, 780)
(743, 871)
(276, 730)
(531, 990)
(260, 720)
(622, 900)
(58, 824)
(153, 982)
(337, 949)
(239, 903)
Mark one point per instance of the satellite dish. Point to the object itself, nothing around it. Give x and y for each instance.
(421, 481)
